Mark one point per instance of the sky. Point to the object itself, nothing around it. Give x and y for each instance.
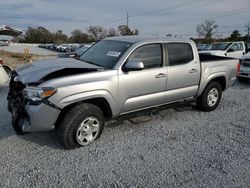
(158, 17)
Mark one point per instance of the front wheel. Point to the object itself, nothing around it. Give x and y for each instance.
(81, 126)
(210, 97)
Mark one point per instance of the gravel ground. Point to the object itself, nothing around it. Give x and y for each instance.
(179, 147)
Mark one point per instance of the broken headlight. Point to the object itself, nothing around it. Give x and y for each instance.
(37, 94)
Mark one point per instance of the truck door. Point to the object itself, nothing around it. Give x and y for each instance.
(236, 50)
(143, 88)
(183, 71)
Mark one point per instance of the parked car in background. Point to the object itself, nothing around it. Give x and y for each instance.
(4, 43)
(229, 49)
(244, 73)
(116, 76)
(203, 47)
(200, 46)
(74, 54)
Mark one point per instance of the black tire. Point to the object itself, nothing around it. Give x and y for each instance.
(202, 101)
(71, 122)
(17, 120)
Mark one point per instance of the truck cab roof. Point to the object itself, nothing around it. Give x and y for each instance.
(134, 39)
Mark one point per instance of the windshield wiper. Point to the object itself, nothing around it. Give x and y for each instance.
(90, 62)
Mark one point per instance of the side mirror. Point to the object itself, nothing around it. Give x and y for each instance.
(133, 65)
(230, 50)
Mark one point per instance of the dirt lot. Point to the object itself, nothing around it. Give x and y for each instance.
(13, 59)
(179, 147)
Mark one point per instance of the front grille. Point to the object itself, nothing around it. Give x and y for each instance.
(15, 97)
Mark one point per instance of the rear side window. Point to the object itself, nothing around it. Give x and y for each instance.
(179, 53)
(150, 55)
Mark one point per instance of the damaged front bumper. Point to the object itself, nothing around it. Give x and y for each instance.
(28, 117)
(37, 118)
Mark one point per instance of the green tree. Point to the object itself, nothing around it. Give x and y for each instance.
(111, 32)
(77, 36)
(235, 36)
(124, 30)
(59, 37)
(37, 35)
(96, 32)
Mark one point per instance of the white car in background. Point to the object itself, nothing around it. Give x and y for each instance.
(4, 74)
(227, 49)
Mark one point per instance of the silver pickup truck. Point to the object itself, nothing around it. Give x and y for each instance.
(116, 76)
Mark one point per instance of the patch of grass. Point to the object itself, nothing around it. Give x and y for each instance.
(13, 59)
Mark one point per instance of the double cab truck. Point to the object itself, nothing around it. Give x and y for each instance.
(227, 49)
(114, 77)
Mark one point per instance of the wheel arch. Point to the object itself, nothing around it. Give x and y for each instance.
(100, 102)
(220, 78)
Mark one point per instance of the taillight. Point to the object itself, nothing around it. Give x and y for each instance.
(1, 61)
(238, 68)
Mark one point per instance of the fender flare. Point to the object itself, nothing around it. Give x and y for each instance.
(209, 79)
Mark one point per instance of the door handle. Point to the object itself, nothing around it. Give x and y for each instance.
(193, 71)
(161, 75)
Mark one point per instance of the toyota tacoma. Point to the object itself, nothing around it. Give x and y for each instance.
(116, 76)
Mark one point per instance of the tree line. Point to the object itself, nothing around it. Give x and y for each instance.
(207, 30)
(93, 33)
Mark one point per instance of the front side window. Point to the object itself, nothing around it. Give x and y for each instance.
(179, 53)
(237, 47)
(150, 55)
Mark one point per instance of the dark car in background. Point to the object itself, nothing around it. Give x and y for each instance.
(76, 54)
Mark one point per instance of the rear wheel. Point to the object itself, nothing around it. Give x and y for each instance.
(81, 126)
(210, 97)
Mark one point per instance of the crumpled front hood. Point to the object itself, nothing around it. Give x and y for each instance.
(32, 73)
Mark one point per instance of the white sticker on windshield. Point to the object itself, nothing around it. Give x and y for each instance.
(113, 53)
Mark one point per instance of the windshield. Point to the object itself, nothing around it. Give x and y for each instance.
(220, 46)
(105, 53)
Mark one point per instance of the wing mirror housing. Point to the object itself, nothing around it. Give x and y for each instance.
(230, 50)
(133, 65)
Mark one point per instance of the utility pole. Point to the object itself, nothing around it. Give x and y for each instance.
(248, 29)
(127, 24)
(127, 19)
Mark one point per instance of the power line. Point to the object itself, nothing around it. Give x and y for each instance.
(172, 10)
(226, 13)
(188, 8)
